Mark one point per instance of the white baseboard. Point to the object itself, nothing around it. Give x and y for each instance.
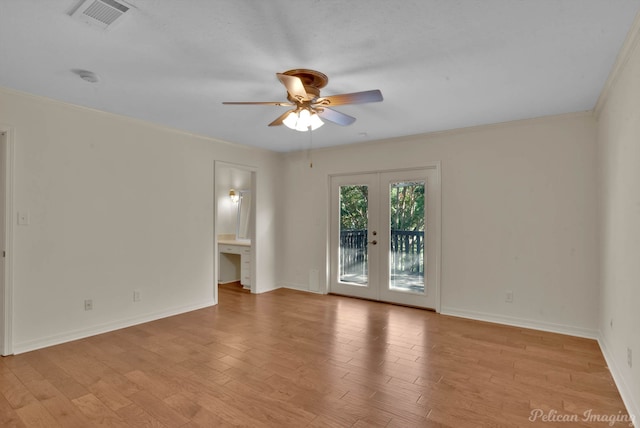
(43, 342)
(299, 287)
(266, 290)
(632, 403)
(521, 322)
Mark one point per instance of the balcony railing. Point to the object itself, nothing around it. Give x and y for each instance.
(406, 251)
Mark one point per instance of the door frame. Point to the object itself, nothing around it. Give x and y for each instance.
(7, 137)
(437, 223)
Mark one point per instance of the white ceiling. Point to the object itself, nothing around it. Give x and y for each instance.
(440, 64)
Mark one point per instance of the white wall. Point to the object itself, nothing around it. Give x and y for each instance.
(518, 213)
(116, 205)
(619, 162)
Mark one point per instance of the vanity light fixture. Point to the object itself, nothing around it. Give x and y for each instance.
(234, 196)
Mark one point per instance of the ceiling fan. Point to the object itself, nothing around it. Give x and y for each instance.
(309, 108)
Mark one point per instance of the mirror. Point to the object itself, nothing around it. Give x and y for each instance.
(243, 222)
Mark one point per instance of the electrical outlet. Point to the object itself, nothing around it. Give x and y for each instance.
(629, 358)
(136, 295)
(88, 305)
(508, 296)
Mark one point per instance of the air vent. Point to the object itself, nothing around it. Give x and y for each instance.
(100, 13)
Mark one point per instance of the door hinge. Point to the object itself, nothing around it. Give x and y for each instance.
(4, 254)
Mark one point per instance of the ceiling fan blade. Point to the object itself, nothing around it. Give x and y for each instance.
(294, 86)
(355, 98)
(259, 103)
(335, 116)
(280, 118)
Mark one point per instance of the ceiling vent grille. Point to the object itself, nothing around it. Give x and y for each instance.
(100, 13)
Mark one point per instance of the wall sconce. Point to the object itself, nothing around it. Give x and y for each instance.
(234, 196)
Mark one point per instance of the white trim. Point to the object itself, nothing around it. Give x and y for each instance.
(438, 197)
(429, 136)
(433, 165)
(217, 164)
(132, 120)
(7, 346)
(427, 165)
(628, 47)
(630, 402)
(69, 336)
(267, 290)
(299, 287)
(521, 322)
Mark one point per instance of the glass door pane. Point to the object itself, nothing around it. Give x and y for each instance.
(354, 223)
(355, 249)
(407, 236)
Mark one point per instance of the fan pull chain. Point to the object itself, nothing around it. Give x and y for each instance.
(310, 147)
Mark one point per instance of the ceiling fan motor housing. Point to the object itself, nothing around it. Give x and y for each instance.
(311, 80)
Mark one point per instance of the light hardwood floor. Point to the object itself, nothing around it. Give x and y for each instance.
(293, 359)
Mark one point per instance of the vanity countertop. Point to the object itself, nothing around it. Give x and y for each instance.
(242, 242)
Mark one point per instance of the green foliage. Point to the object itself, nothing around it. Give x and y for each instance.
(407, 206)
(353, 207)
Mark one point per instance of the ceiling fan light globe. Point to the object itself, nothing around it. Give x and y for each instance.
(304, 120)
(291, 120)
(304, 115)
(316, 122)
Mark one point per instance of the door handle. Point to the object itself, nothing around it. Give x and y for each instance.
(374, 242)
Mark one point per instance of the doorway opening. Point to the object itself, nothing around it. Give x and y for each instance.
(235, 226)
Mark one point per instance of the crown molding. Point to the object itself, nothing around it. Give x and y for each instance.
(628, 47)
(120, 117)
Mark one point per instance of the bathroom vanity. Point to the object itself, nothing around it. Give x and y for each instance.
(234, 261)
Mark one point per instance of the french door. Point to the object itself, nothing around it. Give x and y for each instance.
(385, 236)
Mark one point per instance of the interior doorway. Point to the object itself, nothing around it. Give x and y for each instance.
(235, 225)
(385, 234)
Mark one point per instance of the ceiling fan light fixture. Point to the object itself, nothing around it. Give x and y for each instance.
(302, 120)
(309, 109)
